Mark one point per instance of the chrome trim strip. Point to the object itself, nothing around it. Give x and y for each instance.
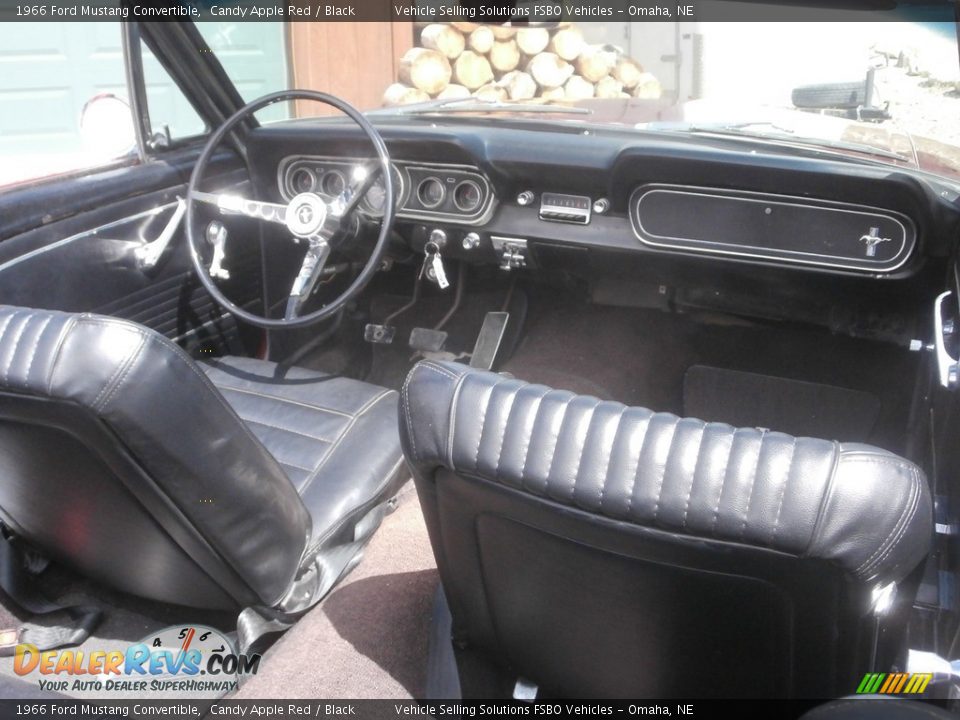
(908, 241)
(86, 233)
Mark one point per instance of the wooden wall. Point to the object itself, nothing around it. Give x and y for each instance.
(355, 61)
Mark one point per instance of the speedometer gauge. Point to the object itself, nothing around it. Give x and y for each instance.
(376, 196)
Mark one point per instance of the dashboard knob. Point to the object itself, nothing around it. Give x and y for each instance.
(439, 237)
(525, 198)
(470, 241)
(601, 205)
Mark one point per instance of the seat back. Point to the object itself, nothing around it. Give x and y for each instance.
(119, 458)
(601, 550)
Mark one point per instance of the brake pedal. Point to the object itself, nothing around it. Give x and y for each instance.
(489, 340)
(379, 334)
(427, 340)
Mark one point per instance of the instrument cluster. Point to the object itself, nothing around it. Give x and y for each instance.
(424, 191)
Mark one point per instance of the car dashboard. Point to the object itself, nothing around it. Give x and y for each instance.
(647, 218)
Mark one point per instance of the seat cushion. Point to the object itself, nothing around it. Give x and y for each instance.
(336, 438)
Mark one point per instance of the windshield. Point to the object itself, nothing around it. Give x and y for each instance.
(887, 90)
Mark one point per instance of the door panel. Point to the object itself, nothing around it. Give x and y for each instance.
(70, 242)
(88, 262)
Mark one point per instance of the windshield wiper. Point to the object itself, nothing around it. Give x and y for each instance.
(779, 135)
(479, 105)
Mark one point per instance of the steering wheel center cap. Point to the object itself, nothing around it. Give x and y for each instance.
(305, 215)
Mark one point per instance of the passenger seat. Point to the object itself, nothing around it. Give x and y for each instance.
(599, 550)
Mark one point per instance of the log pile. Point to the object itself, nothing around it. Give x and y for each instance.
(500, 62)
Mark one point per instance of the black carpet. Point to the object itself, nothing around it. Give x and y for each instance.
(791, 406)
(641, 357)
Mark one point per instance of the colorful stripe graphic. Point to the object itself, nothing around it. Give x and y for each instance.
(894, 683)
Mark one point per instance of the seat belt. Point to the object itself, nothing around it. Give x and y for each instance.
(258, 626)
(20, 586)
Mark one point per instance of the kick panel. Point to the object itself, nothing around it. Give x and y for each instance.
(776, 227)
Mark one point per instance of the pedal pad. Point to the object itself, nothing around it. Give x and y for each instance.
(427, 340)
(488, 341)
(379, 334)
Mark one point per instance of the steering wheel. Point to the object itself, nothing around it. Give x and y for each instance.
(308, 217)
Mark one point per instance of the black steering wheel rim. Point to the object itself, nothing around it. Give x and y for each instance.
(386, 222)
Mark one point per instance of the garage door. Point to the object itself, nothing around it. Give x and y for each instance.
(49, 70)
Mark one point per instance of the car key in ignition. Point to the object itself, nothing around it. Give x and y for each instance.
(432, 262)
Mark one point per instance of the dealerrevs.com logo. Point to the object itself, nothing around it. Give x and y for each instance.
(178, 662)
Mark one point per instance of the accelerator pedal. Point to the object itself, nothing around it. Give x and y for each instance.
(489, 340)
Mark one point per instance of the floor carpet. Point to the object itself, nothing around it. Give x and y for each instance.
(641, 357)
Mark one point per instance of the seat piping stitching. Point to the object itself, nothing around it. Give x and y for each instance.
(33, 351)
(783, 491)
(330, 451)
(753, 485)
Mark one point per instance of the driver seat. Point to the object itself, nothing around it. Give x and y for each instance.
(224, 485)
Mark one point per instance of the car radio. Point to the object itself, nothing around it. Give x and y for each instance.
(565, 208)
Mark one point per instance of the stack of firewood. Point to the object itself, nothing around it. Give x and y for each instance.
(500, 62)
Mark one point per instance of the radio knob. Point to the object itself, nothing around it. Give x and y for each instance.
(525, 198)
(470, 241)
(601, 205)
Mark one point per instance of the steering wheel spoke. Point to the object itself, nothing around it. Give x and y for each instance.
(238, 205)
(318, 251)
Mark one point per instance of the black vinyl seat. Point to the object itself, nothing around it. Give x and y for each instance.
(602, 550)
(335, 438)
(232, 484)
